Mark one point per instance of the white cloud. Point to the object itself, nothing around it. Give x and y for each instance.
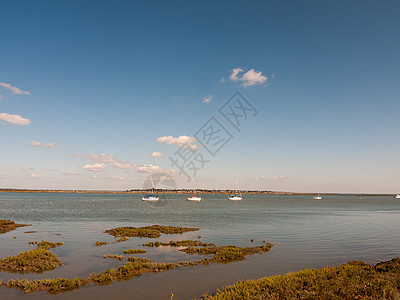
(34, 175)
(122, 165)
(4, 176)
(261, 177)
(281, 178)
(156, 154)
(234, 74)
(70, 173)
(153, 169)
(14, 89)
(107, 158)
(14, 119)
(207, 99)
(182, 141)
(94, 167)
(39, 144)
(109, 177)
(117, 178)
(249, 78)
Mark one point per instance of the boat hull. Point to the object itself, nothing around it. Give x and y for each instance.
(235, 198)
(397, 196)
(317, 198)
(196, 199)
(150, 199)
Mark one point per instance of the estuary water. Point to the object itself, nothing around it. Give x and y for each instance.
(306, 233)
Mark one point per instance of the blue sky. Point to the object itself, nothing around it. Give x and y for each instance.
(88, 88)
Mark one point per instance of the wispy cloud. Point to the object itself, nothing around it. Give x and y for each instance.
(107, 158)
(182, 141)
(70, 173)
(123, 165)
(94, 167)
(153, 169)
(4, 176)
(261, 177)
(14, 89)
(108, 177)
(34, 175)
(156, 154)
(1, 97)
(39, 144)
(207, 99)
(281, 178)
(14, 119)
(249, 78)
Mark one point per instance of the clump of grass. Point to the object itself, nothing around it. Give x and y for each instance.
(7, 225)
(141, 259)
(121, 239)
(134, 251)
(184, 243)
(48, 245)
(98, 243)
(36, 260)
(118, 257)
(226, 254)
(354, 280)
(153, 231)
(32, 243)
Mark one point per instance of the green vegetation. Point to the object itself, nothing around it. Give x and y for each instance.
(7, 225)
(184, 243)
(118, 257)
(36, 260)
(121, 239)
(139, 265)
(153, 231)
(134, 251)
(48, 245)
(354, 280)
(98, 243)
(135, 267)
(226, 254)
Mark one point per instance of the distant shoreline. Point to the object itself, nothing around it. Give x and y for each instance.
(181, 191)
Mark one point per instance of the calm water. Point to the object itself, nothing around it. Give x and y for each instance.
(306, 233)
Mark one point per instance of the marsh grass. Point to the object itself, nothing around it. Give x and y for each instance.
(48, 245)
(226, 254)
(121, 239)
(134, 251)
(354, 280)
(184, 243)
(153, 231)
(136, 266)
(7, 225)
(116, 256)
(36, 260)
(98, 243)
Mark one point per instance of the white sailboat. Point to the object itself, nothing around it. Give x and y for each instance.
(235, 197)
(194, 197)
(397, 196)
(151, 197)
(317, 197)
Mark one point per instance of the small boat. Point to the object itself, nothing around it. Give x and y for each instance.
(397, 196)
(235, 197)
(317, 197)
(194, 197)
(151, 197)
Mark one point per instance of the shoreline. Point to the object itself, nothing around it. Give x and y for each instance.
(184, 191)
